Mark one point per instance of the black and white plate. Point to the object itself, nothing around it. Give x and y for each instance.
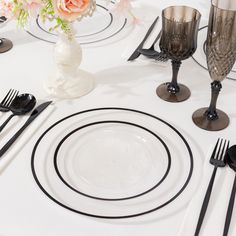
(115, 163)
(200, 56)
(104, 25)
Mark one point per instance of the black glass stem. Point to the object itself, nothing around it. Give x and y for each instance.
(173, 86)
(210, 118)
(211, 112)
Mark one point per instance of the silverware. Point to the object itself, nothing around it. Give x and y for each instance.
(136, 53)
(231, 161)
(32, 117)
(20, 105)
(218, 159)
(152, 53)
(7, 100)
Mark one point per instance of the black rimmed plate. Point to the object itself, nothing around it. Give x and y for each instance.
(104, 25)
(200, 55)
(115, 163)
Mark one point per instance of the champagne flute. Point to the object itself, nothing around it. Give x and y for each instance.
(178, 42)
(221, 56)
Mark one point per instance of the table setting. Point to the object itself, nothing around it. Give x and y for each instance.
(117, 117)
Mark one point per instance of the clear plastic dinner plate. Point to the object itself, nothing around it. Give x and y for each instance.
(115, 163)
(103, 25)
(200, 56)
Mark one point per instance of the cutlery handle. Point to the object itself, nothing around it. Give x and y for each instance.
(136, 53)
(12, 140)
(156, 39)
(205, 202)
(6, 122)
(36, 112)
(230, 209)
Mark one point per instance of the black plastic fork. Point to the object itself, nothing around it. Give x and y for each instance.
(218, 159)
(152, 53)
(7, 100)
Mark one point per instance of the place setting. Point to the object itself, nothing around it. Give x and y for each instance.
(116, 164)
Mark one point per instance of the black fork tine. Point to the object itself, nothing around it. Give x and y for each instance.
(6, 97)
(218, 151)
(215, 148)
(8, 103)
(223, 150)
(224, 156)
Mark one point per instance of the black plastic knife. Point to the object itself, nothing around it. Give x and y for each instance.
(136, 53)
(32, 117)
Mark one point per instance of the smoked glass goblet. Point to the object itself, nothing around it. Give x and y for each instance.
(178, 42)
(221, 56)
(5, 44)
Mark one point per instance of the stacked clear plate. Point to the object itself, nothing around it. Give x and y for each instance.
(116, 163)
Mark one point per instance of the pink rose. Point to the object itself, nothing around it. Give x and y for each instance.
(70, 10)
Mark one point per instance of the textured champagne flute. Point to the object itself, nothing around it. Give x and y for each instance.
(178, 42)
(221, 56)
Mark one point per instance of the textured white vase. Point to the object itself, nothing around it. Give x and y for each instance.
(68, 81)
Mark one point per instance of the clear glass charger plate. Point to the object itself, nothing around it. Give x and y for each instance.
(104, 25)
(200, 55)
(116, 163)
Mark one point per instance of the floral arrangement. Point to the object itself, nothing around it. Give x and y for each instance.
(62, 12)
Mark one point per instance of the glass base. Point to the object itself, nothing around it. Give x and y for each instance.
(5, 45)
(202, 122)
(183, 94)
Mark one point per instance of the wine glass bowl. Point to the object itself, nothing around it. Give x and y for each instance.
(178, 42)
(221, 56)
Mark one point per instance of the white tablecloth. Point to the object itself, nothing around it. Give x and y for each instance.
(24, 209)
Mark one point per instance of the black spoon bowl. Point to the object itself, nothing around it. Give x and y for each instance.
(231, 161)
(21, 105)
(231, 157)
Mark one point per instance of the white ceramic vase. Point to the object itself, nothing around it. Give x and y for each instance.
(68, 81)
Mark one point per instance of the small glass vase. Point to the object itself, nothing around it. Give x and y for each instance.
(68, 81)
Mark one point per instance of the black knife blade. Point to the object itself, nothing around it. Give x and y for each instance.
(136, 53)
(32, 117)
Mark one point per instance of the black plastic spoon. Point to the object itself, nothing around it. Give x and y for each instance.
(231, 161)
(21, 105)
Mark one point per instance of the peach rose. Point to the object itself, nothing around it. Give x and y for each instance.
(70, 10)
